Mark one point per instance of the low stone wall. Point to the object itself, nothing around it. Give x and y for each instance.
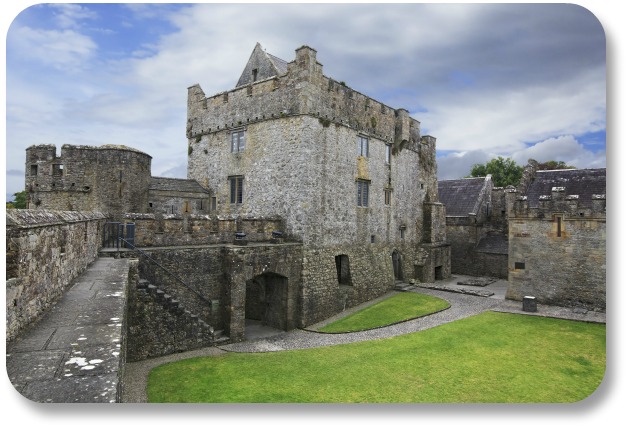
(155, 230)
(45, 251)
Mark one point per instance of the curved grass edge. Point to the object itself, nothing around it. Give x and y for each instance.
(380, 326)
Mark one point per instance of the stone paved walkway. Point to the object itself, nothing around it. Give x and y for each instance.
(72, 354)
(462, 306)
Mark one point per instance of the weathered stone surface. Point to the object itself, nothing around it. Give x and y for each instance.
(46, 251)
(78, 358)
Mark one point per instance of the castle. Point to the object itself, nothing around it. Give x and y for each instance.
(303, 197)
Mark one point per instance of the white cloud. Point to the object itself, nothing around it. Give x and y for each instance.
(65, 50)
(565, 148)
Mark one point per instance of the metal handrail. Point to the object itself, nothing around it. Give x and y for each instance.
(166, 270)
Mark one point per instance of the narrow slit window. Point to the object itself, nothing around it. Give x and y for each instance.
(559, 223)
(363, 146)
(387, 197)
(388, 154)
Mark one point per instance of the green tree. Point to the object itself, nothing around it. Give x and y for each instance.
(554, 165)
(504, 171)
(19, 200)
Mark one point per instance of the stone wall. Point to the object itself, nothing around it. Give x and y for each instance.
(158, 325)
(109, 179)
(559, 262)
(155, 230)
(218, 277)
(46, 250)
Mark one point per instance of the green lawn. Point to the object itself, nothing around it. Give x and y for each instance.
(398, 307)
(488, 358)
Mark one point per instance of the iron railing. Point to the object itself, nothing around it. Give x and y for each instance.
(143, 253)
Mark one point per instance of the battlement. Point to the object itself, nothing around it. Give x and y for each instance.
(572, 206)
(302, 89)
(108, 178)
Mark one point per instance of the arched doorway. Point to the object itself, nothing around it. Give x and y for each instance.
(267, 300)
(397, 266)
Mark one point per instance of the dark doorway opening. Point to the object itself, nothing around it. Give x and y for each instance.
(438, 273)
(397, 266)
(267, 300)
(343, 270)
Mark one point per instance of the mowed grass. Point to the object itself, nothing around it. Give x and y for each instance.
(488, 358)
(398, 307)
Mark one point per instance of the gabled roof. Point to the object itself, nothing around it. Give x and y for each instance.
(168, 184)
(582, 182)
(460, 196)
(261, 65)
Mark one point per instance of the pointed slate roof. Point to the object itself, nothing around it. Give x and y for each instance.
(460, 196)
(261, 65)
(582, 182)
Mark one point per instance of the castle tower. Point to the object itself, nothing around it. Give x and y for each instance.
(108, 179)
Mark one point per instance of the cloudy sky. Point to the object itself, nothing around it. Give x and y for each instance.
(520, 81)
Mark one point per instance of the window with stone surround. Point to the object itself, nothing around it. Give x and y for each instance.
(363, 193)
(387, 197)
(558, 220)
(236, 184)
(363, 146)
(57, 170)
(388, 148)
(238, 141)
(33, 169)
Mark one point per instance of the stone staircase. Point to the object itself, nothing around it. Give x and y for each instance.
(206, 335)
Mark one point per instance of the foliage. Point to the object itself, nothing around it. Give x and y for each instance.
(490, 358)
(504, 171)
(549, 165)
(19, 200)
(399, 307)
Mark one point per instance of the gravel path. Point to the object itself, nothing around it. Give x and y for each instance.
(462, 306)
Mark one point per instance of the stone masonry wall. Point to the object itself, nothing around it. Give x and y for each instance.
(300, 162)
(108, 179)
(154, 230)
(563, 266)
(219, 274)
(46, 250)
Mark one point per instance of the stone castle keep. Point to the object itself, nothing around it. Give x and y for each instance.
(304, 197)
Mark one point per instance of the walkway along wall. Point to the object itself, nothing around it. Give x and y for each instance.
(46, 250)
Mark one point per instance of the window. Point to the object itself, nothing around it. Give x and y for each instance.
(363, 193)
(363, 146)
(213, 203)
(387, 154)
(255, 74)
(57, 170)
(387, 195)
(402, 232)
(558, 220)
(520, 265)
(235, 184)
(33, 169)
(237, 141)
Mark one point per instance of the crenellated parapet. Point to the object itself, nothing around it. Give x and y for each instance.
(302, 89)
(571, 206)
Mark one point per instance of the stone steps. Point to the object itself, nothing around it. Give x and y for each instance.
(175, 307)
